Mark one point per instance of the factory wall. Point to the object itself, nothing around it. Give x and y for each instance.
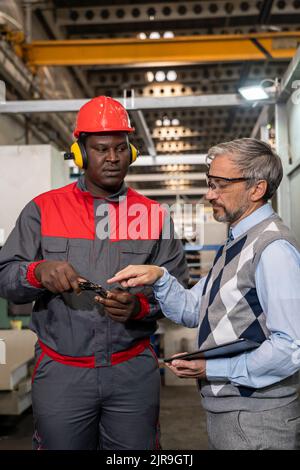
(288, 146)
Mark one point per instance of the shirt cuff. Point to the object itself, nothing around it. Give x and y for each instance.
(218, 369)
(162, 280)
(145, 307)
(30, 275)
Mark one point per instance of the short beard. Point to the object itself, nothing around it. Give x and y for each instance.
(231, 216)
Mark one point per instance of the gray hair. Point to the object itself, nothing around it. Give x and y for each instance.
(254, 158)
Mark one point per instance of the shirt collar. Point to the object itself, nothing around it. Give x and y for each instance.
(251, 220)
(112, 197)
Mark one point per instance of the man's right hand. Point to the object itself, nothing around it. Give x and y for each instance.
(137, 275)
(57, 276)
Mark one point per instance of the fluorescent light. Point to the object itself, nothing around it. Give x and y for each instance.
(253, 93)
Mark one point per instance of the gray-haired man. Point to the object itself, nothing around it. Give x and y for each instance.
(252, 291)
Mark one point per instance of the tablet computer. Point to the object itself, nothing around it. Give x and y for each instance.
(224, 350)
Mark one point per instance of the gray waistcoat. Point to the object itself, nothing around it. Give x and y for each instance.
(230, 309)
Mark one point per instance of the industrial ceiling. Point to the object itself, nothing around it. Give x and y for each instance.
(176, 131)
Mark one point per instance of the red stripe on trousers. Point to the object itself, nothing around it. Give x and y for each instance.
(37, 365)
(154, 354)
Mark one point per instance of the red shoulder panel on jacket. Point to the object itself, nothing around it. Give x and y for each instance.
(67, 212)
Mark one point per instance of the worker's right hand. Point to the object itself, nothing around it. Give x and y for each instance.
(57, 276)
(137, 275)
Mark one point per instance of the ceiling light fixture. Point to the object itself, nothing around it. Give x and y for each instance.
(150, 76)
(253, 93)
(160, 76)
(154, 35)
(259, 92)
(171, 76)
(169, 34)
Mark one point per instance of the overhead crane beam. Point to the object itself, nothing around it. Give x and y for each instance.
(173, 51)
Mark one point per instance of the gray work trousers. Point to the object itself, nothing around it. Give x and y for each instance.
(110, 408)
(276, 429)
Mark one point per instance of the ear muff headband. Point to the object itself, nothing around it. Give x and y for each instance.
(80, 155)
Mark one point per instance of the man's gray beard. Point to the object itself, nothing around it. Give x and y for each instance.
(231, 216)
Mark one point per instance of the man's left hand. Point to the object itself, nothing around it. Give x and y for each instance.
(195, 369)
(120, 305)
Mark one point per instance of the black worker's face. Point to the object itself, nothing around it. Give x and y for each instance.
(108, 160)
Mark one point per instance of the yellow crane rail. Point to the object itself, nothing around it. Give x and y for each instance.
(175, 51)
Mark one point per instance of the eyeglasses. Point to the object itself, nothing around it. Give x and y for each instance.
(219, 183)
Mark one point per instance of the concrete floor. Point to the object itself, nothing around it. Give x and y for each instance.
(16, 431)
(182, 419)
(182, 423)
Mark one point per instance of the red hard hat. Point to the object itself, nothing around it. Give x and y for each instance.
(102, 114)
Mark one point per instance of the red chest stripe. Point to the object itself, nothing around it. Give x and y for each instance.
(69, 212)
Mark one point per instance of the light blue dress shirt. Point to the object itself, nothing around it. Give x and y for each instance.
(277, 279)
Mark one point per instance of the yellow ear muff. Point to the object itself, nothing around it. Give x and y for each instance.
(79, 154)
(134, 153)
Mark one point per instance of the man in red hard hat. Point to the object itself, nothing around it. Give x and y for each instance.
(96, 381)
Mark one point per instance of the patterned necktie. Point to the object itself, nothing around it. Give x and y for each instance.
(230, 236)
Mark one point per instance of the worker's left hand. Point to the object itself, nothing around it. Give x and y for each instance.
(120, 305)
(195, 369)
